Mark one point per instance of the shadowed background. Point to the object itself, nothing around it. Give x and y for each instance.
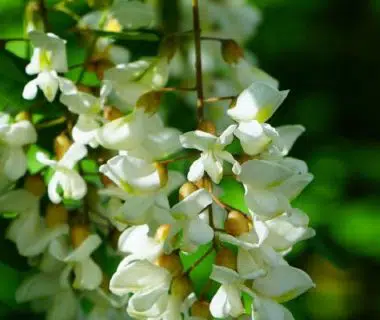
(326, 52)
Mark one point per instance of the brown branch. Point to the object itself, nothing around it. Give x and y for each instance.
(198, 60)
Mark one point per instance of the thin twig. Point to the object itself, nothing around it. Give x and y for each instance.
(171, 89)
(217, 99)
(198, 60)
(44, 14)
(213, 39)
(196, 263)
(51, 123)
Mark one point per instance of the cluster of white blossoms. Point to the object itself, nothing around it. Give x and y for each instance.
(142, 210)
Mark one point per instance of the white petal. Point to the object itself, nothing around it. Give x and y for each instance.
(64, 306)
(213, 167)
(83, 252)
(52, 188)
(266, 309)
(283, 283)
(199, 232)
(196, 170)
(75, 153)
(138, 275)
(16, 163)
(224, 275)
(88, 275)
(257, 102)
(226, 156)
(30, 90)
(288, 136)
(266, 204)
(199, 140)
(37, 286)
(227, 136)
(149, 303)
(123, 133)
(252, 137)
(263, 174)
(227, 301)
(21, 133)
(192, 205)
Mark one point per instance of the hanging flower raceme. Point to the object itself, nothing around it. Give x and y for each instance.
(132, 205)
(49, 59)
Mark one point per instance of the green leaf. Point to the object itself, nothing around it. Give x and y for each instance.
(233, 194)
(11, 279)
(200, 275)
(34, 166)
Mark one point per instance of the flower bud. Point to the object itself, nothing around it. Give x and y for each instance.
(150, 101)
(181, 287)
(112, 113)
(236, 223)
(168, 47)
(105, 180)
(170, 262)
(187, 189)
(244, 158)
(162, 232)
(207, 126)
(201, 309)
(61, 144)
(226, 258)
(23, 116)
(79, 233)
(231, 51)
(56, 214)
(162, 173)
(35, 185)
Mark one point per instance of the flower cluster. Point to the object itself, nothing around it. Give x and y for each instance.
(139, 207)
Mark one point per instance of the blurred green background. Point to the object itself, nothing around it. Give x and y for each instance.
(327, 53)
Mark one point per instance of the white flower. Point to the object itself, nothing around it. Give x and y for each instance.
(65, 176)
(267, 309)
(13, 137)
(150, 208)
(287, 229)
(124, 133)
(135, 242)
(89, 121)
(283, 283)
(88, 275)
(150, 287)
(213, 154)
(130, 81)
(49, 57)
(131, 174)
(269, 186)
(195, 231)
(254, 106)
(227, 300)
(48, 293)
(28, 231)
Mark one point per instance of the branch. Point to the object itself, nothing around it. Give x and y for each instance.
(198, 60)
